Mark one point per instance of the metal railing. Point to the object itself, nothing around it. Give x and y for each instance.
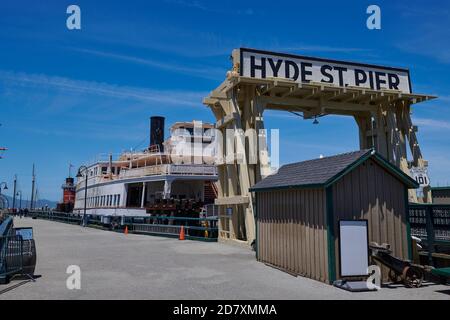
(204, 229)
(430, 223)
(57, 216)
(11, 255)
(6, 226)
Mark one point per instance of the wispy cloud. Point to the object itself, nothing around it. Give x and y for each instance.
(203, 7)
(429, 26)
(198, 71)
(432, 123)
(320, 48)
(82, 87)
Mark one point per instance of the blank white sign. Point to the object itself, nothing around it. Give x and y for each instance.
(353, 248)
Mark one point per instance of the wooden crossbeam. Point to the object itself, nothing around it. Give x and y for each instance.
(233, 200)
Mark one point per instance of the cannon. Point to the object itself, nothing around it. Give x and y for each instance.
(399, 270)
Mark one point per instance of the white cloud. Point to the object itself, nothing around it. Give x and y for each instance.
(82, 87)
(319, 48)
(199, 71)
(432, 123)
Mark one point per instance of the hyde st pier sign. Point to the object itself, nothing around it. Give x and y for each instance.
(264, 64)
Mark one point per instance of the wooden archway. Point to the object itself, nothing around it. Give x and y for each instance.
(383, 118)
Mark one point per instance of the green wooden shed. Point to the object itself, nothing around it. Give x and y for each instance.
(298, 210)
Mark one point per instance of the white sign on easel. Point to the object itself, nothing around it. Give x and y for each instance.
(353, 248)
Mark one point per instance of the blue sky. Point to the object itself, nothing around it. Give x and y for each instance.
(66, 96)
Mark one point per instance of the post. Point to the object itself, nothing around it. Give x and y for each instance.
(85, 196)
(430, 233)
(143, 194)
(167, 188)
(14, 192)
(32, 190)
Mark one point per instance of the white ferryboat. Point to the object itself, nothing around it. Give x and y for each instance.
(152, 180)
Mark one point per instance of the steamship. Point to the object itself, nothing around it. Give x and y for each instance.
(152, 181)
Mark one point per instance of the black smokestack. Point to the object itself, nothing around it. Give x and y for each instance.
(157, 132)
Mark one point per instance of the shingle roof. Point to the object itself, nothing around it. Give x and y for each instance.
(320, 172)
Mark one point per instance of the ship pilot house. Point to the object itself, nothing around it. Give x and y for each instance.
(298, 210)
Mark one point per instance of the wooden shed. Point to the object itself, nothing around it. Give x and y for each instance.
(298, 211)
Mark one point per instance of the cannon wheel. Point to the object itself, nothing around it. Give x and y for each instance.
(394, 276)
(412, 277)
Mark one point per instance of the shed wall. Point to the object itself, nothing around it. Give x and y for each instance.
(291, 231)
(370, 192)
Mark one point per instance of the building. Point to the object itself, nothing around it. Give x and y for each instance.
(440, 195)
(68, 196)
(298, 211)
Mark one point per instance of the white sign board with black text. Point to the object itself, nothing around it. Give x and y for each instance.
(421, 176)
(353, 247)
(262, 64)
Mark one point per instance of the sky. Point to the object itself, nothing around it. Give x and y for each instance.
(67, 96)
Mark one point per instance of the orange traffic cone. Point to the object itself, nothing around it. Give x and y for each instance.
(126, 230)
(181, 233)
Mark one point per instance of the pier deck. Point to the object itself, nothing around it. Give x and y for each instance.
(118, 266)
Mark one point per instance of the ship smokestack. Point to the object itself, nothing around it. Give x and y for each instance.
(157, 132)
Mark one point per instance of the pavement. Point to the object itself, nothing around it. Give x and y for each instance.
(118, 266)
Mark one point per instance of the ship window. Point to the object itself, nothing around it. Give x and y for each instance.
(118, 170)
(115, 199)
(118, 200)
(104, 170)
(109, 200)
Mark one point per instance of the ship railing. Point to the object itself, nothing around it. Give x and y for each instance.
(174, 169)
(206, 170)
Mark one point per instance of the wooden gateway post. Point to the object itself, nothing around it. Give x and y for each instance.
(378, 98)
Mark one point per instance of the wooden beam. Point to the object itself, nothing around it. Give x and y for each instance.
(225, 120)
(232, 200)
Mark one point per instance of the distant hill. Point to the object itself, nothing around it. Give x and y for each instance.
(26, 204)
